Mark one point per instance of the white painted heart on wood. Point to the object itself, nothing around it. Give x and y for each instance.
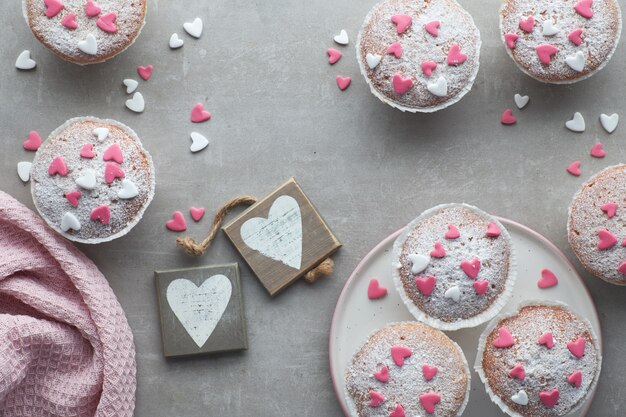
(278, 237)
(200, 309)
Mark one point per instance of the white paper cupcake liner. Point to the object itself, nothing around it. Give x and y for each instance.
(491, 326)
(350, 402)
(431, 109)
(474, 321)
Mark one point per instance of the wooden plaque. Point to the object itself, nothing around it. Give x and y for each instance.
(201, 310)
(282, 237)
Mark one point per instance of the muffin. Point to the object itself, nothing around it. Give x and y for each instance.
(407, 369)
(454, 266)
(595, 229)
(92, 180)
(85, 31)
(560, 42)
(541, 361)
(419, 55)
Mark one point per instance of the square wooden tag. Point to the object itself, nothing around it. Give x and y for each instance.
(201, 310)
(282, 237)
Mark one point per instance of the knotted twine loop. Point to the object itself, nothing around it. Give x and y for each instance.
(194, 248)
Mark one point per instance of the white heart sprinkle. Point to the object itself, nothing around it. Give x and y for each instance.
(373, 60)
(609, 123)
(194, 28)
(549, 28)
(520, 398)
(24, 61)
(199, 142)
(128, 190)
(175, 41)
(23, 170)
(101, 133)
(576, 61)
(521, 101)
(87, 180)
(131, 85)
(89, 45)
(454, 293)
(69, 221)
(342, 38)
(439, 87)
(137, 103)
(577, 124)
(418, 262)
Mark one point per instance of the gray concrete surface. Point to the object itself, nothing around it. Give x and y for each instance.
(261, 68)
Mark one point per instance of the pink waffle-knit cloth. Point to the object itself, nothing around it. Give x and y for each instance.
(65, 345)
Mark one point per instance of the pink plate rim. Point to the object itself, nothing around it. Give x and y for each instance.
(393, 236)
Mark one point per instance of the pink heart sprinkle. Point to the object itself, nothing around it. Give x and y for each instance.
(439, 251)
(111, 172)
(493, 230)
(429, 372)
(57, 167)
(73, 197)
(574, 37)
(400, 84)
(400, 353)
(199, 115)
(624, 242)
(481, 287)
(145, 72)
(598, 151)
(610, 209)
(518, 372)
(395, 49)
(576, 379)
(383, 374)
(547, 340)
(343, 82)
(197, 213)
(549, 399)
(101, 213)
(376, 399)
(402, 22)
(87, 151)
(113, 153)
(428, 67)
(455, 56)
(471, 268)
(545, 52)
(53, 7)
(333, 55)
(577, 348)
(547, 280)
(92, 9)
(507, 117)
(622, 267)
(69, 21)
(397, 412)
(504, 339)
(452, 233)
(177, 223)
(375, 290)
(33, 142)
(426, 285)
(433, 27)
(606, 239)
(574, 168)
(107, 23)
(527, 25)
(583, 8)
(429, 401)
(511, 39)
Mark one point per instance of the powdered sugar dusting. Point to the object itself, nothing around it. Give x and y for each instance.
(406, 383)
(600, 36)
